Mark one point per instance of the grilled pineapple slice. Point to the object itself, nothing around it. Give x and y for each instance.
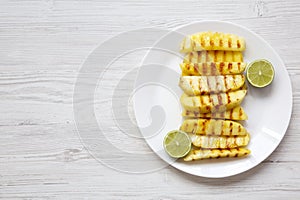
(219, 142)
(236, 113)
(199, 85)
(213, 56)
(213, 102)
(213, 127)
(212, 68)
(199, 154)
(212, 41)
(244, 87)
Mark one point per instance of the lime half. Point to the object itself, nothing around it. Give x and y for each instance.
(260, 73)
(177, 144)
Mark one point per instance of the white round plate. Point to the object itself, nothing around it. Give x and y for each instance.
(269, 109)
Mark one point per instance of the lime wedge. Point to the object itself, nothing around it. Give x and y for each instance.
(177, 144)
(260, 73)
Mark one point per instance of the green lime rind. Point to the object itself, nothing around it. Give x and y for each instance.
(177, 144)
(260, 73)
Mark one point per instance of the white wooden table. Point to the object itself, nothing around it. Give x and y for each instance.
(42, 47)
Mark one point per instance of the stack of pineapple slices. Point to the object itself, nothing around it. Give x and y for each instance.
(214, 87)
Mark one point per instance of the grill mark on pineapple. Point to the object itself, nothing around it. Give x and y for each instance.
(231, 113)
(203, 127)
(230, 128)
(227, 142)
(200, 54)
(207, 107)
(220, 42)
(222, 129)
(208, 84)
(220, 99)
(193, 69)
(240, 112)
(193, 43)
(234, 141)
(204, 115)
(191, 85)
(212, 115)
(190, 56)
(188, 67)
(209, 69)
(213, 69)
(215, 56)
(217, 84)
(202, 42)
(230, 66)
(199, 86)
(229, 42)
(203, 69)
(218, 105)
(238, 44)
(221, 66)
(201, 101)
(195, 127)
(235, 81)
(196, 68)
(187, 113)
(228, 98)
(239, 129)
(186, 126)
(211, 42)
(239, 66)
(220, 115)
(210, 102)
(225, 82)
(224, 56)
(208, 56)
(210, 66)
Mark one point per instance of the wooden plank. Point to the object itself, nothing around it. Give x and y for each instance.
(42, 47)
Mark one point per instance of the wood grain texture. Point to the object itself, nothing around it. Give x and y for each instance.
(42, 47)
